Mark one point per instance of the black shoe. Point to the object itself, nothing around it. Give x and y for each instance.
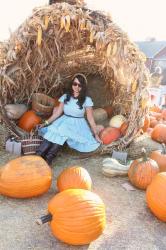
(43, 148)
(51, 153)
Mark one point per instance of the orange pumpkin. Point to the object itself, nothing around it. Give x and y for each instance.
(25, 177)
(142, 171)
(74, 177)
(160, 158)
(155, 108)
(146, 123)
(108, 135)
(29, 120)
(156, 196)
(163, 114)
(159, 133)
(123, 128)
(152, 118)
(76, 216)
(156, 115)
(153, 123)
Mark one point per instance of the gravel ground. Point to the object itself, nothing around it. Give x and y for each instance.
(130, 225)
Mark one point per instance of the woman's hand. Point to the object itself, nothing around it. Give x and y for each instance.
(98, 138)
(42, 125)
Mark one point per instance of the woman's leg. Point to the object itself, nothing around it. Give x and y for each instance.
(52, 152)
(43, 148)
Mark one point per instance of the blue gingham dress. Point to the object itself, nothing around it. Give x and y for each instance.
(72, 127)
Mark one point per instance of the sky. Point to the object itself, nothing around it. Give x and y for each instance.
(141, 19)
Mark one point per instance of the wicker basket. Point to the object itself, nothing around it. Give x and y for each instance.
(43, 104)
(30, 143)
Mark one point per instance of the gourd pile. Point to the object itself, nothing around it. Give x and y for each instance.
(42, 106)
(143, 173)
(155, 123)
(77, 215)
(114, 131)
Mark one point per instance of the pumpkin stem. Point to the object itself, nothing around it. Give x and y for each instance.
(44, 219)
(144, 155)
(164, 148)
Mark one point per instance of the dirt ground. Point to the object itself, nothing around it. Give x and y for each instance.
(130, 225)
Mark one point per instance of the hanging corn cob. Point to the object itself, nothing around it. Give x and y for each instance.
(67, 23)
(62, 22)
(39, 36)
(82, 24)
(134, 87)
(109, 49)
(92, 35)
(46, 22)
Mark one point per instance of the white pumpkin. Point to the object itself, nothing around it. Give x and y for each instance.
(15, 111)
(116, 121)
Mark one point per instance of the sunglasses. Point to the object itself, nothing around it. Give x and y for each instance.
(76, 84)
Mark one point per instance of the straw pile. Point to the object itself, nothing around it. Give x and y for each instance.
(62, 39)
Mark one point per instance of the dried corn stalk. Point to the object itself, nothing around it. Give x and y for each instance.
(60, 40)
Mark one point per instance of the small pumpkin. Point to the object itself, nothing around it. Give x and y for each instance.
(156, 196)
(156, 115)
(116, 121)
(153, 123)
(25, 177)
(76, 216)
(155, 108)
(160, 158)
(74, 177)
(159, 133)
(163, 114)
(146, 123)
(108, 135)
(29, 120)
(142, 171)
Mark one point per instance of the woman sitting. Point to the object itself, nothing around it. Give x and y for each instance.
(68, 123)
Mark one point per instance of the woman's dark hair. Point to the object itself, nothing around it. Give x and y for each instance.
(83, 91)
